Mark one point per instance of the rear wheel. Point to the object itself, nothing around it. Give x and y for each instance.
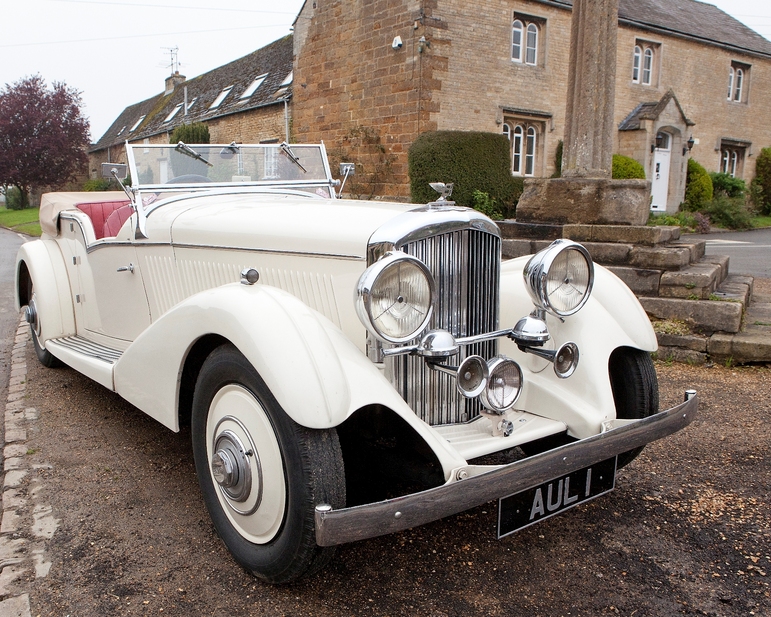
(261, 474)
(33, 318)
(635, 389)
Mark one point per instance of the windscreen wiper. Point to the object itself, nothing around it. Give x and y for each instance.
(187, 150)
(292, 156)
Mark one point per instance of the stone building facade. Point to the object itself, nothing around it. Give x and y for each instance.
(367, 77)
(397, 68)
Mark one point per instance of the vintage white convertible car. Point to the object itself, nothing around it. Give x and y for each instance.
(348, 368)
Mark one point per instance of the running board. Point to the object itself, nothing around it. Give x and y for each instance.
(92, 359)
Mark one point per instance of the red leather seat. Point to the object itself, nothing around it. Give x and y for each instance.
(99, 212)
(115, 221)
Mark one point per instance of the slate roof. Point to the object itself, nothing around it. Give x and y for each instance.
(690, 18)
(651, 111)
(275, 60)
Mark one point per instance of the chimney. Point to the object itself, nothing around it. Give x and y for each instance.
(173, 81)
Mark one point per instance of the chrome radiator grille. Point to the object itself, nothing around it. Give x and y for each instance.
(466, 266)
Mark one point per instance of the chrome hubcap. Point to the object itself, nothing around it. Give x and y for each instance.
(230, 466)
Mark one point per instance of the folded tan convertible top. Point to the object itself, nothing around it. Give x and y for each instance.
(51, 204)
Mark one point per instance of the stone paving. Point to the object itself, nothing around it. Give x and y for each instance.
(27, 522)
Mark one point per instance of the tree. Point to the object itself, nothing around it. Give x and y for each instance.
(43, 135)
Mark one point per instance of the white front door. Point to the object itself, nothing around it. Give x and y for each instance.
(660, 179)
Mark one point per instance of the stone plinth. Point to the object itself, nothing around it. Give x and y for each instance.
(590, 201)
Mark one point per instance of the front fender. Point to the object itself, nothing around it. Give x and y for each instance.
(611, 318)
(318, 376)
(45, 265)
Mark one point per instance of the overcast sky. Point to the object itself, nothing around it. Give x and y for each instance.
(117, 52)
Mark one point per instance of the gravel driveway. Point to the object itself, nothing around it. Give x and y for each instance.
(686, 532)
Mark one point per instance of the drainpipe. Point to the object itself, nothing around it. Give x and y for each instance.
(286, 120)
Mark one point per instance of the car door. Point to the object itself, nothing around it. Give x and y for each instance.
(106, 282)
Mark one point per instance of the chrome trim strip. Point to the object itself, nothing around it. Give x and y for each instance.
(83, 346)
(269, 251)
(392, 515)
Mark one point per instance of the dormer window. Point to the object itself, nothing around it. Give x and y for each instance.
(220, 97)
(287, 80)
(252, 87)
(191, 103)
(173, 112)
(136, 124)
(121, 132)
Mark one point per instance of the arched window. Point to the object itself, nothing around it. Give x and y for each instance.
(516, 150)
(724, 166)
(516, 40)
(647, 72)
(738, 85)
(734, 161)
(532, 44)
(730, 83)
(636, 64)
(530, 155)
(507, 131)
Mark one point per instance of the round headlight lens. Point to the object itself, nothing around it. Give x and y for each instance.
(560, 277)
(503, 385)
(395, 297)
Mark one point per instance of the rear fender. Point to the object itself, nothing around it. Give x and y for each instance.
(42, 262)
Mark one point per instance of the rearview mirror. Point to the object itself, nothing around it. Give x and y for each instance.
(120, 169)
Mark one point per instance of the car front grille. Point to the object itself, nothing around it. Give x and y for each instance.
(466, 266)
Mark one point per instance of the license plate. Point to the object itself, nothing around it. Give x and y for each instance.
(536, 504)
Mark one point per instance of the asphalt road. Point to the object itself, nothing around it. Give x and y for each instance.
(9, 318)
(750, 251)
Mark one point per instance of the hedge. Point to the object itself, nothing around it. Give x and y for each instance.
(472, 161)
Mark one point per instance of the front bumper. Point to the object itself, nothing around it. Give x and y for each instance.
(392, 515)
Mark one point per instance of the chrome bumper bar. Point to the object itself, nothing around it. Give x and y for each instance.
(384, 517)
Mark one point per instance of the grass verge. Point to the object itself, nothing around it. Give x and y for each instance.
(24, 221)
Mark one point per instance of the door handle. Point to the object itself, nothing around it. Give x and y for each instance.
(128, 268)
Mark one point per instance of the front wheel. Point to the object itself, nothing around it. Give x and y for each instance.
(261, 474)
(635, 389)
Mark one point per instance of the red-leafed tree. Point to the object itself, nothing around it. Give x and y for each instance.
(43, 135)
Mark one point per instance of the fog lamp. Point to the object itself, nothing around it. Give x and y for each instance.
(503, 385)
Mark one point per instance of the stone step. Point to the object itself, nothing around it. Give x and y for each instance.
(702, 316)
(736, 287)
(741, 348)
(625, 234)
(641, 281)
(694, 282)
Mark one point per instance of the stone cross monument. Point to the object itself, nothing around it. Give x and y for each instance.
(586, 193)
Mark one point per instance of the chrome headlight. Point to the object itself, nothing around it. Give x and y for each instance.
(560, 277)
(394, 297)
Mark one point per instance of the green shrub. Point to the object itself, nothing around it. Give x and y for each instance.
(13, 198)
(626, 168)
(194, 133)
(756, 196)
(473, 161)
(486, 205)
(727, 185)
(729, 212)
(763, 178)
(698, 187)
(98, 184)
